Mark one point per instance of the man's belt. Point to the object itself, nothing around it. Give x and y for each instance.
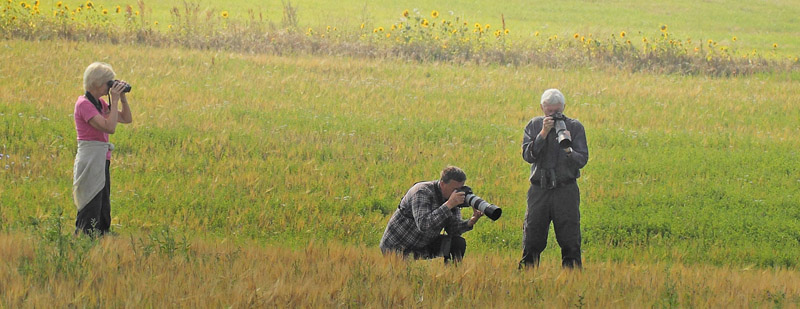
(558, 184)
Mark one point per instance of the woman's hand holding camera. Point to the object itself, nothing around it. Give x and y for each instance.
(117, 92)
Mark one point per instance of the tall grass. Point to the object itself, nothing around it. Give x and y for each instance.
(221, 274)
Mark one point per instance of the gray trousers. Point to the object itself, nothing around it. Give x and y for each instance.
(562, 206)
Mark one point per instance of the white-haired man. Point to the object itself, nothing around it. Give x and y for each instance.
(553, 194)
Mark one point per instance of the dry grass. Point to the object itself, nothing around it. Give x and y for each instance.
(215, 273)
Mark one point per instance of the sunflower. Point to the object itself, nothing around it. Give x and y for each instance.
(435, 14)
(507, 31)
(663, 28)
(405, 13)
(734, 39)
(155, 23)
(424, 23)
(576, 35)
(118, 9)
(89, 4)
(380, 29)
(622, 34)
(774, 45)
(58, 4)
(105, 12)
(224, 14)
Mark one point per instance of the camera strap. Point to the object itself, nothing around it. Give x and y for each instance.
(94, 101)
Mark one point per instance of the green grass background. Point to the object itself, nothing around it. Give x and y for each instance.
(290, 149)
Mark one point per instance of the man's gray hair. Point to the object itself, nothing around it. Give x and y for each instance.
(552, 97)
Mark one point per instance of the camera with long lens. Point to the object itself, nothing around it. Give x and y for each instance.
(561, 130)
(474, 201)
(111, 84)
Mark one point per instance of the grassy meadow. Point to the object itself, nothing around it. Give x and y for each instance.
(251, 178)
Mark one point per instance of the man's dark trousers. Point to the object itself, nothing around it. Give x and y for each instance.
(562, 206)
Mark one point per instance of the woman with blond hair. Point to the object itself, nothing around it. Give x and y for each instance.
(95, 119)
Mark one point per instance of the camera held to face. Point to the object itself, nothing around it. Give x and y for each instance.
(474, 201)
(561, 129)
(112, 82)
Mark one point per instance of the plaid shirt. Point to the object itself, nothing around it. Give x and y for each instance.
(420, 218)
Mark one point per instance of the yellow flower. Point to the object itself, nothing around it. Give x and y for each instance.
(477, 25)
(622, 34)
(78, 10)
(58, 4)
(155, 23)
(118, 8)
(405, 13)
(663, 28)
(644, 40)
(425, 23)
(734, 39)
(388, 35)
(487, 27)
(105, 12)
(710, 41)
(507, 31)
(380, 29)
(536, 33)
(169, 26)
(362, 25)
(375, 30)
(23, 4)
(628, 42)
(394, 27)
(224, 14)
(435, 14)
(497, 33)
(774, 45)
(400, 26)
(89, 4)
(576, 35)
(136, 13)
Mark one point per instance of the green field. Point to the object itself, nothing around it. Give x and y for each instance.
(283, 151)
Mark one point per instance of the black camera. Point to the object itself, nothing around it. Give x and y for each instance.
(111, 84)
(474, 201)
(561, 129)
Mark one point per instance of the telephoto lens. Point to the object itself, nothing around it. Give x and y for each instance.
(474, 201)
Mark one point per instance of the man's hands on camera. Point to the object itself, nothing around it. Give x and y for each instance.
(476, 214)
(456, 198)
(547, 125)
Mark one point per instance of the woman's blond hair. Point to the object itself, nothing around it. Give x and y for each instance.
(97, 74)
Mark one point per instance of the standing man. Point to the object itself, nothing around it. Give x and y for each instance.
(554, 194)
(426, 209)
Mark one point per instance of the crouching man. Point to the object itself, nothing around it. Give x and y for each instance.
(426, 209)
